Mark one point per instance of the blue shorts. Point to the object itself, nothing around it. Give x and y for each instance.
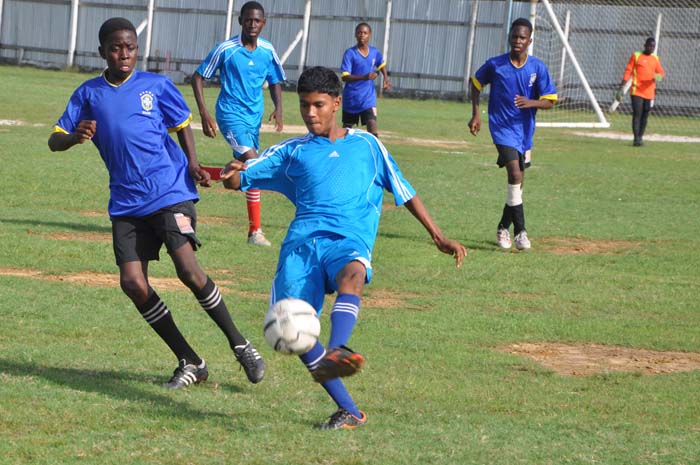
(308, 272)
(241, 138)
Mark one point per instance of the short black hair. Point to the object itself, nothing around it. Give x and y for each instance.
(649, 40)
(363, 24)
(252, 6)
(114, 25)
(321, 80)
(522, 22)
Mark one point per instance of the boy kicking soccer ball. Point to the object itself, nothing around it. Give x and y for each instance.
(127, 114)
(336, 178)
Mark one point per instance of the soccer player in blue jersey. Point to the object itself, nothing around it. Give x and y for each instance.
(128, 114)
(336, 178)
(359, 70)
(520, 85)
(244, 63)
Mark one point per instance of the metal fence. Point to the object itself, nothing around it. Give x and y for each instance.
(425, 42)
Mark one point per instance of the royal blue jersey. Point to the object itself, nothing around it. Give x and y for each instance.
(147, 169)
(508, 124)
(359, 96)
(337, 187)
(242, 74)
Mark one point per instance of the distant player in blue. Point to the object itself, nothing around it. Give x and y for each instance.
(359, 70)
(244, 63)
(336, 178)
(128, 114)
(520, 84)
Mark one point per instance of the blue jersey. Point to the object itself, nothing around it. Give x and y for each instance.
(337, 188)
(147, 169)
(508, 124)
(242, 74)
(359, 96)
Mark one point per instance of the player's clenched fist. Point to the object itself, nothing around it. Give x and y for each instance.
(85, 130)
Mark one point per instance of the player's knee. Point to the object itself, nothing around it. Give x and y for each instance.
(351, 279)
(135, 288)
(192, 278)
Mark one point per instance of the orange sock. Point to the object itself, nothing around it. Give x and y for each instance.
(253, 203)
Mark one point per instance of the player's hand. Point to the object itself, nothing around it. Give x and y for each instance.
(208, 125)
(387, 85)
(474, 125)
(200, 176)
(231, 168)
(277, 116)
(454, 248)
(371, 76)
(85, 131)
(523, 102)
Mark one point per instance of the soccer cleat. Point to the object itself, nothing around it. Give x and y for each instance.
(251, 361)
(521, 241)
(186, 374)
(503, 238)
(342, 419)
(338, 363)
(258, 238)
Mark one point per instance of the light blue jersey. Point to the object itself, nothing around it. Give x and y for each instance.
(509, 125)
(148, 170)
(337, 188)
(242, 73)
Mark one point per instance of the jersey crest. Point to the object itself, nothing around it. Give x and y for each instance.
(146, 100)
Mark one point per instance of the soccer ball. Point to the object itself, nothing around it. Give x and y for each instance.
(291, 326)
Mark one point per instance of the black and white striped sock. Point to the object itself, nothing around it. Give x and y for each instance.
(212, 302)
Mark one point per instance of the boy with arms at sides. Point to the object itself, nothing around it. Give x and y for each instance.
(359, 70)
(336, 178)
(520, 85)
(128, 114)
(244, 63)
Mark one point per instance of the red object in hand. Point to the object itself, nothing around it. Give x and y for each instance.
(214, 172)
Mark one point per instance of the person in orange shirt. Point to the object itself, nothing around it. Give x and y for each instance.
(644, 68)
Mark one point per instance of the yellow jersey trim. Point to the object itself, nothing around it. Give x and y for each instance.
(59, 129)
(182, 125)
(552, 97)
(477, 84)
(381, 66)
(344, 73)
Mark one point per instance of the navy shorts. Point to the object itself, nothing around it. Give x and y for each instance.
(140, 239)
(351, 119)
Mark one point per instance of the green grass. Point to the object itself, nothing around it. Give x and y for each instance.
(80, 372)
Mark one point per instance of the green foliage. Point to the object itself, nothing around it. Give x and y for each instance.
(80, 371)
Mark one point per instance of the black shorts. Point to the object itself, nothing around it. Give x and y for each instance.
(506, 154)
(351, 119)
(140, 239)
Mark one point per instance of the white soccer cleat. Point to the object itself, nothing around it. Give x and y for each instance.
(503, 239)
(521, 241)
(258, 238)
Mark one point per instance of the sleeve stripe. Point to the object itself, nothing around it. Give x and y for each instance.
(59, 129)
(552, 97)
(345, 73)
(381, 66)
(477, 84)
(404, 193)
(181, 125)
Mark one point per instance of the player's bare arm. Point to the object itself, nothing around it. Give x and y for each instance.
(60, 141)
(475, 122)
(276, 96)
(186, 140)
(208, 122)
(444, 244)
(231, 174)
(524, 102)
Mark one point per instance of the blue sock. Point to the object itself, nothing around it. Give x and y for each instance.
(343, 318)
(335, 387)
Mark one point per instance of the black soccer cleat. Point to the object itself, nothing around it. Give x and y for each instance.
(342, 419)
(338, 362)
(186, 374)
(251, 361)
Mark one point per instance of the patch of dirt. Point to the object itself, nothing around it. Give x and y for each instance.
(93, 214)
(628, 136)
(574, 246)
(383, 299)
(590, 359)
(75, 236)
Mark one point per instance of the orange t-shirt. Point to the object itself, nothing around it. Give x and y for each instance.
(643, 70)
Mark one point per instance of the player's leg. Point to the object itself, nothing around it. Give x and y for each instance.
(637, 110)
(134, 245)
(516, 178)
(369, 119)
(646, 109)
(244, 143)
(509, 157)
(177, 225)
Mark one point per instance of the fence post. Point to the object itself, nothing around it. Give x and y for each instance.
(385, 48)
(470, 48)
(149, 30)
(74, 4)
(305, 37)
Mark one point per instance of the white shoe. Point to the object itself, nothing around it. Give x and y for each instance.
(258, 238)
(503, 239)
(521, 241)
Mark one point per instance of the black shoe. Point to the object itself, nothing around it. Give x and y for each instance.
(342, 419)
(186, 374)
(338, 363)
(251, 361)
(638, 143)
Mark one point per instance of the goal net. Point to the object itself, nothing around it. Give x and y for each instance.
(602, 35)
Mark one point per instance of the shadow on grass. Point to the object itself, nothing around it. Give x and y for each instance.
(61, 225)
(115, 384)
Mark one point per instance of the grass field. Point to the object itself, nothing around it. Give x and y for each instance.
(614, 264)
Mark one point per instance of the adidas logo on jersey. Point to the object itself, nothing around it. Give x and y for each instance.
(334, 154)
(250, 63)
